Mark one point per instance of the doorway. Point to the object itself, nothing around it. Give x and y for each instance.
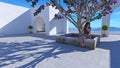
(39, 24)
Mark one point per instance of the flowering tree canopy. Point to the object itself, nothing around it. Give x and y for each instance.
(78, 12)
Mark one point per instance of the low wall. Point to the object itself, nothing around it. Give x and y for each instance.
(88, 43)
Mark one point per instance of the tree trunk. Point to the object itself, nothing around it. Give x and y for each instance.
(80, 31)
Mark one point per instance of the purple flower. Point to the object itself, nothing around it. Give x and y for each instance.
(115, 1)
(108, 8)
(110, 11)
(62, 17)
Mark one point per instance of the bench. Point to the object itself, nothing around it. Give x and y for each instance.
(88, 43)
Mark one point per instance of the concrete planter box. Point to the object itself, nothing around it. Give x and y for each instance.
(73, 40)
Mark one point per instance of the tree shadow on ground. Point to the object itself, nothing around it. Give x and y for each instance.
(114, 47)
(13, 52)
(44, 36)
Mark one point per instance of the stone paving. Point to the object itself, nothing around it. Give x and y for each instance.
(41, 51)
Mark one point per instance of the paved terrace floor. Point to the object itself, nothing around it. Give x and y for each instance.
(41, 51)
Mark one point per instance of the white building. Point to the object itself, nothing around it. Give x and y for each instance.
(16, 19)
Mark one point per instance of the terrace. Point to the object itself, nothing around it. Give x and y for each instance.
(41, 51)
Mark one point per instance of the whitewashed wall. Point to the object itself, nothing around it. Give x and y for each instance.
(44, 15)
(16, 19)
(106, 22)
(13, 19)
(58, 26)
(52, 12)
(52, 27)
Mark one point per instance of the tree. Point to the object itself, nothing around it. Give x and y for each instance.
(78, 12)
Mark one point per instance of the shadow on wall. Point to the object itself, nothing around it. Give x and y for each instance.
(18, 26)
(114, 47)
(58, 26)
(11, 53)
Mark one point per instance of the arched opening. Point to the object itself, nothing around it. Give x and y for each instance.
(114, 21)
(39, 24)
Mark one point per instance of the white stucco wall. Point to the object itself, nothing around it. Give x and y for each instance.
(52, 12)
(44, 15)
(58, 26)
(13, 19)
(106, 22)
(52, 27)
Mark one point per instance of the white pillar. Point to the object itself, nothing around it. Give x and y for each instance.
(106, 21)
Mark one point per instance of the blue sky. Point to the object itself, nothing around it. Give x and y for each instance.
(115, 17)
(17, 2)
(114, 22)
